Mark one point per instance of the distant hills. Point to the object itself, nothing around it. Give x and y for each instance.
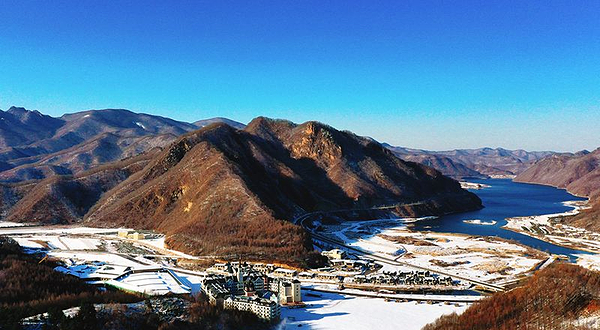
(36, 146)
(473, 163)
(579, 173)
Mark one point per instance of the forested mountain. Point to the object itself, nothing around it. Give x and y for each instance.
(219, 190)
(554, 298)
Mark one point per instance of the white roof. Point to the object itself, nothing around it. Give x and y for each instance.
(284, 270)
(153, 282)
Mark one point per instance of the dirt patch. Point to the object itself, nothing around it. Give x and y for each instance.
(407, 240)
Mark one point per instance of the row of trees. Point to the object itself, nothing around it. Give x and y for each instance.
(202, 315)
(28, 287)
(551, 299)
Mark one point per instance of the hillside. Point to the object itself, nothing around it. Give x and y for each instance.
(445, 165)
(553, 298)
(29, 287)
(482, 162)
(578, 173)
(222, 191)
(65, 198)
(34, 146)
(53, 170)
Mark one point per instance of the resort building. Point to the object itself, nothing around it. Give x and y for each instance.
(283, 272)
(334, 254)
(263, 308)
(135, 235)
(288, 292)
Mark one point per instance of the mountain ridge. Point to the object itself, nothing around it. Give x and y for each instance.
(217, 184)
(30, 155)
(474, 163)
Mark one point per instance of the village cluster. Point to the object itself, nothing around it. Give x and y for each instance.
(246, 286)
(138, 262)
(412, 278)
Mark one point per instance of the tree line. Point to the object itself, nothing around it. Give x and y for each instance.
(551, 299)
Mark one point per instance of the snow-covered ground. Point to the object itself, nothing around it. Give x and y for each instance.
(590, 261)
(156, 242)
(78, 243)
(336, 311)
(541, 227)
(5, 224)
(58, 242)
(589, 322)
(28, 243)
(91, 257)
(471, 185)
(480, 222)
(480, 258)
(153, 283)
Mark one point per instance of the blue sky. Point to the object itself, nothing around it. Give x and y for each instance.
(423, 74)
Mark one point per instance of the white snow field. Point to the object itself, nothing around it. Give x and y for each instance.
(77, 243)
(27, 243)
(589, 261)
(152, 283)
(91, 257)
(336, 311)
(6, 224)
(479, 258)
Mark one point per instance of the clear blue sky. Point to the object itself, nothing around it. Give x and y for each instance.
(436, 75)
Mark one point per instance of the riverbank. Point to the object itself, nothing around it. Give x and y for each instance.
(485, 258)
(549, 228)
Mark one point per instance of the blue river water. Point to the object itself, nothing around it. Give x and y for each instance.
(505, 199)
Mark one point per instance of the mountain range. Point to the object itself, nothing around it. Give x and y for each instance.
(473, 163)
(36, 146)
(223, 189)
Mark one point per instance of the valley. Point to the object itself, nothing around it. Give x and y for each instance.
(378, 255)
(354, 225)
(319, 165)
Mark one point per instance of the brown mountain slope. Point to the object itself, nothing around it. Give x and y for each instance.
(579, 174)
(35, 146)
(102, 149)
(66, 198)
(552, 299)
(223, 191)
